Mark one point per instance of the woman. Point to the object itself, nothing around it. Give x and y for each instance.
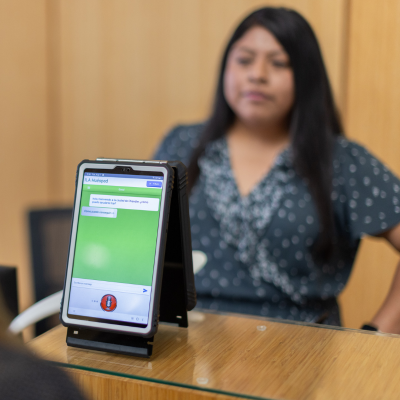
(279, 198)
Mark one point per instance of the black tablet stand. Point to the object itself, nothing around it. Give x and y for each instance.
(178, 293)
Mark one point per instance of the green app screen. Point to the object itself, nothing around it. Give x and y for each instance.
(117, 231)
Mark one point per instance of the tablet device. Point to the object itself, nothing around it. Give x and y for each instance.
(117, 246)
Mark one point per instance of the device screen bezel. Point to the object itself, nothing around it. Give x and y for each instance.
(106, 324)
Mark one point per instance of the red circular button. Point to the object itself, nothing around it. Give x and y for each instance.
(108, 303)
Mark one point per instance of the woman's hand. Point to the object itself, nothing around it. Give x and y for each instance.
(387, 318)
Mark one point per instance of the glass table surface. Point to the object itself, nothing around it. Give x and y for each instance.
(240, 356)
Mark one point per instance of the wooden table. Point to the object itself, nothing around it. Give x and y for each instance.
(231, 356)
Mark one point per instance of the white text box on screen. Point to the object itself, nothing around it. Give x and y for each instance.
(99, 212)
(124, 202)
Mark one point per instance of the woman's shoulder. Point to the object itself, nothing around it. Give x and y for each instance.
(179, 143)
(348, 153)
(185, 132)
(365, 188)
(344, 145)
(353, 162)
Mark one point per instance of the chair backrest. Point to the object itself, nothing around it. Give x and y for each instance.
(9, 290)
(49, 236)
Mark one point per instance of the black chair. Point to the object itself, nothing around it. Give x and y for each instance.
(49, 237)
(9, 290)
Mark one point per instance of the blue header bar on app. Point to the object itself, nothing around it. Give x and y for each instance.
(154, 184)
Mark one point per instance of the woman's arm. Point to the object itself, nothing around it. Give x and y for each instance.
(387, 318)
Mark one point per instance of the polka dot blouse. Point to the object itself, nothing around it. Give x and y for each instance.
(259, 246)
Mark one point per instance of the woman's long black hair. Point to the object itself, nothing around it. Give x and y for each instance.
(314, 119)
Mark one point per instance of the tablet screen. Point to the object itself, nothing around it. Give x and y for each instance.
(115, 247)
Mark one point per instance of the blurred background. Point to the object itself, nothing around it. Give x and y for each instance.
(81, 79)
